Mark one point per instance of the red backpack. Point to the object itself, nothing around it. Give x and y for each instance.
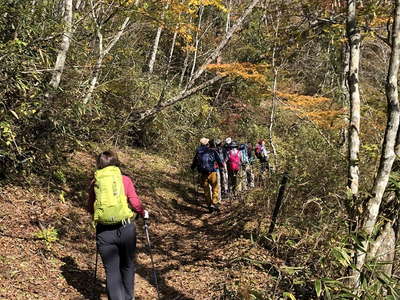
(234, 160)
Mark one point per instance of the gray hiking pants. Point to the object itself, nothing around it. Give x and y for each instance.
(116, 245)
(224, 179)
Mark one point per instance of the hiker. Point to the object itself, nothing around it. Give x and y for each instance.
(249, 168)
(226, 148)
(206, 161)
(223, 155)
(212, 144)
(244, 169)
(262, 154)
(114, 204)
(234, 161)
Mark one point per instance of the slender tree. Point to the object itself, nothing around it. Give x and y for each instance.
(191, 88)
(354, 39)
(373, 203)
(64, 46)
(157, 42)
(102, 49)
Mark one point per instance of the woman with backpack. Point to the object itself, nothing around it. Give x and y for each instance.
(234, 162)
(114, 204)
(262, 154)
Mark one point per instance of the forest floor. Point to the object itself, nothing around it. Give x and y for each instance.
(197, 255)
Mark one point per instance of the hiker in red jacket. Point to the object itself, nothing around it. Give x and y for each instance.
(113, 202)
(234, 164)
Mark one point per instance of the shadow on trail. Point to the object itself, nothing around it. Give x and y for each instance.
(82, 280)
(166, 292)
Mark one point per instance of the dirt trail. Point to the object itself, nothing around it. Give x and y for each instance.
(197, 255)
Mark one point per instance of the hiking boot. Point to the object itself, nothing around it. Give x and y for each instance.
(213, 208)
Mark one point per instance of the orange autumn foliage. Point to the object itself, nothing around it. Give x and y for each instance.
(317, 109)
(244, 70)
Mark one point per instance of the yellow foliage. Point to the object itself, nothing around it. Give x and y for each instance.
(217, 3)
(189, 48)
(185, 31)
(244, 70)
(317, 109)
(379, 21)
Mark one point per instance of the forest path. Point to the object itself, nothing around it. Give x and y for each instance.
(197, 255)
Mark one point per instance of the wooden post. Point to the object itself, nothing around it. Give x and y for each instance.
(279, 201)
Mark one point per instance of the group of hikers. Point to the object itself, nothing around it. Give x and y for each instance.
(226, 168)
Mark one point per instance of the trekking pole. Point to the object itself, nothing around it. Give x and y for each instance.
(195, 183)
(95, 272)
(146, 229)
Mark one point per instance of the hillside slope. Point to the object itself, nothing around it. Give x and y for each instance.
(197, 255)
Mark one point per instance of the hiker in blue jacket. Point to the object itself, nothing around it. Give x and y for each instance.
(207, 162)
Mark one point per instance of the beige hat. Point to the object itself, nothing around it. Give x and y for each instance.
(204, 141)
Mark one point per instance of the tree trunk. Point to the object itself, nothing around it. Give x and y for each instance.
(64, 47)
(181, 96)
(278, 203)
(185, 63)
(373, 205)
(171, 52)
(197, 41)
(345, 96)
(102, 53)
(223, 43)
(383, 249)
(354, 39)
(272, 121)
(276, 27)
(228, 17)
(190, 89)
(156, 42)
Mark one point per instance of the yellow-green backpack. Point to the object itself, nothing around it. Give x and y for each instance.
(111, 205)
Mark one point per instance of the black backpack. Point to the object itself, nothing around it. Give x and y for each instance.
(205, 161)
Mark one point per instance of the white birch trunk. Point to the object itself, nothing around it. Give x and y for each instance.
(185, 63)
(197, 42)
(156, 43)
(155, 49)
(102, 53)
(184, 68)
(228, 17)
(190, 89)
(345, 96)
(354, 38)
(223, 43)
(272, 121)
(171, 52)
(387, 153)
(274, 88)
(64, 47)
(383, 249)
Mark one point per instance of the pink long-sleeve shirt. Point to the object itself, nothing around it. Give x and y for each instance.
(130, 193)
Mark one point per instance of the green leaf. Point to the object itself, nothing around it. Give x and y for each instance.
(318, 287)
(342, 256)
(14, 114)
(291, 270)
(289, 295)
